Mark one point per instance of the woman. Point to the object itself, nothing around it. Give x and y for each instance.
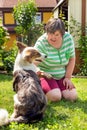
(58, 45)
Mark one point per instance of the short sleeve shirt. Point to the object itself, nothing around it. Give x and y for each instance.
(57, 59)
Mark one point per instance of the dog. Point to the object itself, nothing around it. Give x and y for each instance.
(26, 59)
(29, 101)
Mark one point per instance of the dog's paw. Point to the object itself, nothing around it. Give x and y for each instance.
(14, 115)
(44, 74)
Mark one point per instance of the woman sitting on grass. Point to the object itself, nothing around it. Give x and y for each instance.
(58, 45)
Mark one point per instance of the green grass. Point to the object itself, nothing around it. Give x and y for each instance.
(0, 20)
(63, 115)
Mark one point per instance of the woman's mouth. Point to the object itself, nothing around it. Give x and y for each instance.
(53, 40)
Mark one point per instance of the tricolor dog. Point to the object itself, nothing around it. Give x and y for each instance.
(29, 100)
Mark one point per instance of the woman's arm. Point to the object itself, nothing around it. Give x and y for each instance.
(70, 68)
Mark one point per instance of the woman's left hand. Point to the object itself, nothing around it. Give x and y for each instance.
(67, 82)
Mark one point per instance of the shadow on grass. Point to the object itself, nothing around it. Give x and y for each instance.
(51, 118)
(5, 77)
(79, 104)
(55, 114)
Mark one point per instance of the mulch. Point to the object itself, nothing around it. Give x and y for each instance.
(5, 72)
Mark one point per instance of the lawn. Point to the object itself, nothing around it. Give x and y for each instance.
(63, 115)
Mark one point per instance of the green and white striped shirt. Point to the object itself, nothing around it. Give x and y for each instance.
(57, 59)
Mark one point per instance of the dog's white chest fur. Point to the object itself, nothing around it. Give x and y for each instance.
(21, 64)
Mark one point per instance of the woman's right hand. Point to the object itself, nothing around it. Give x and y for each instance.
(67, 82)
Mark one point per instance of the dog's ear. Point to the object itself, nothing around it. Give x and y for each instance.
(21, 46)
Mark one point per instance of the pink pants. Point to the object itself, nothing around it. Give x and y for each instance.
(49, 84)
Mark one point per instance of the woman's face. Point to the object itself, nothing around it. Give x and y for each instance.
(54, 39)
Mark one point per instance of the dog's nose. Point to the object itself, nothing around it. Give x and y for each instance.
(45, 56)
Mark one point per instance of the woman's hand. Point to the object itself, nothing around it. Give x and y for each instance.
(67, 82)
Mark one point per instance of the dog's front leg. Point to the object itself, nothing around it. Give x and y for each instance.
(44, 74)
(16, 104)
(19, 119)
(16, 101)
(15, 114)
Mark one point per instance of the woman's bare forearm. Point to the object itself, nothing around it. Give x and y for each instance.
(70, 68)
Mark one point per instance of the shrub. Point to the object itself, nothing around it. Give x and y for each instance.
(4, 35)
(24, 13)
(83, 55)
(8, 58)
(76, 30)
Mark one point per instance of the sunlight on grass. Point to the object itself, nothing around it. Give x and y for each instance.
(0, 21)
(81, 86)
(63, 115)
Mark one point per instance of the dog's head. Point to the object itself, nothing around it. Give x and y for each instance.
(30, 54)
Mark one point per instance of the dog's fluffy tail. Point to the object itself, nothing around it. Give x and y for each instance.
(4, 120)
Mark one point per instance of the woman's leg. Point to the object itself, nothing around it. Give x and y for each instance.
(66, 93)
(70, 94)
(54, 95)
(51, 89)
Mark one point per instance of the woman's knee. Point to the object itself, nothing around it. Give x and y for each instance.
(54, 95)
(70, 94)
